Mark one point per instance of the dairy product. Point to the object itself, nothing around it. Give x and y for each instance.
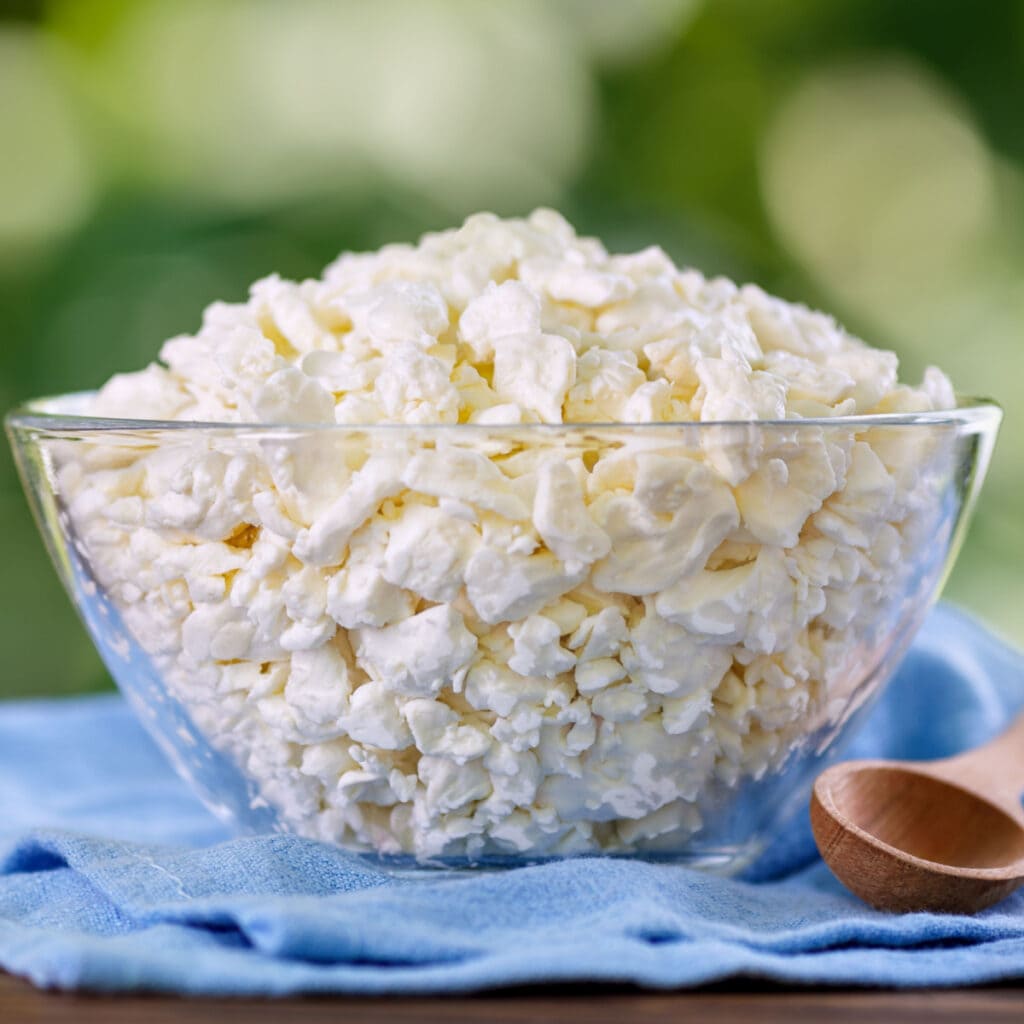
(455, 628)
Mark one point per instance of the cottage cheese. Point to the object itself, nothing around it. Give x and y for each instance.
(502, 638)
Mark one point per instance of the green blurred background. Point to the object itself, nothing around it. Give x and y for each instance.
(863, 156)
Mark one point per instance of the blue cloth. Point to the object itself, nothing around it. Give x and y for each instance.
(168, 901)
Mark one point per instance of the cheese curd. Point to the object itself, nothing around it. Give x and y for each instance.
(451, 627)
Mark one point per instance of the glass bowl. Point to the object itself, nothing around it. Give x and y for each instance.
(469, 646)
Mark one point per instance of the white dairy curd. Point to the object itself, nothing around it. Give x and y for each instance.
(504, 639)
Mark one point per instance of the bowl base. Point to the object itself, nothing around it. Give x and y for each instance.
(725, 861)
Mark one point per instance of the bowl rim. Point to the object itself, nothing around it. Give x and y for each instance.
(46, 415)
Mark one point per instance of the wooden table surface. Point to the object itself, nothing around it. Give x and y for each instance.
(577, 1004)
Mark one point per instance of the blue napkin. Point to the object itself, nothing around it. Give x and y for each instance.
(167, 901)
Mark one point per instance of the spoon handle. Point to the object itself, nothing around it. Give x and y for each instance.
(995, 770)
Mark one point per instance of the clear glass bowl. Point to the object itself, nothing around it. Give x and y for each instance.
(493, 645)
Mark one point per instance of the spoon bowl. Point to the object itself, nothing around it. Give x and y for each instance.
(944, 836)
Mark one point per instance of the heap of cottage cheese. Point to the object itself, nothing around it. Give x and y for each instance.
(500, 638)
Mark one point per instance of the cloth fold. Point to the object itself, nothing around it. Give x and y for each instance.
(167, 901)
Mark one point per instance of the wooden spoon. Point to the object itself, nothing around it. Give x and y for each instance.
(943, 836)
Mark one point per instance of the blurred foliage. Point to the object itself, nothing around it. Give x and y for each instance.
(862, 156)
